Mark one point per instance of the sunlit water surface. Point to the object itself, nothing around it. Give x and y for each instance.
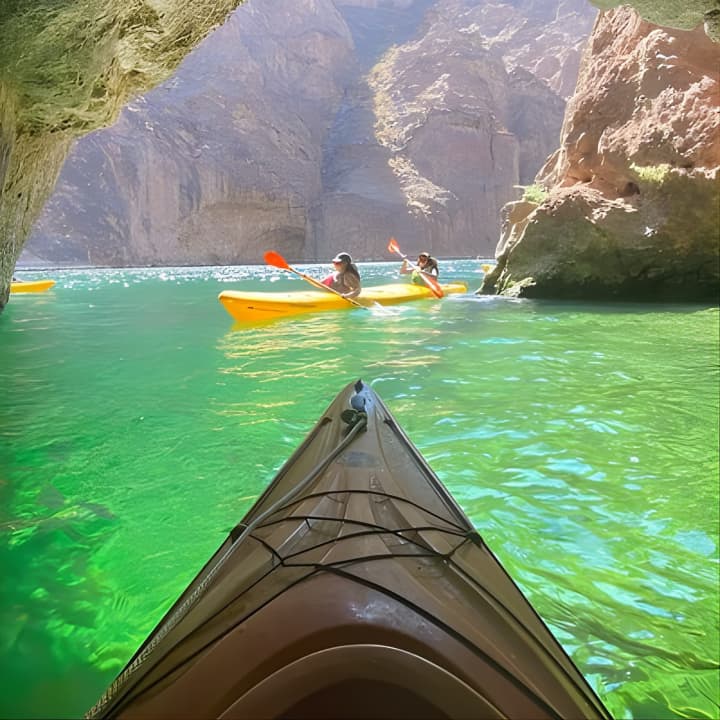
(138, 424)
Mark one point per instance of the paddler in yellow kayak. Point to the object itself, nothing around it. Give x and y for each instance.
(345, 277)
(425, 264)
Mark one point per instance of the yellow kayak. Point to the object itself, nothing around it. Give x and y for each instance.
(30, 286)
(254, 306)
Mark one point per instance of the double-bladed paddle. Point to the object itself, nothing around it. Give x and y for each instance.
(277, 260)
(428, 279)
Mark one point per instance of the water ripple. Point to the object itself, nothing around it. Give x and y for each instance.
(137, 425)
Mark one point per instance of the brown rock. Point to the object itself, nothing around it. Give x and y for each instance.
(67, 69)
(634, 202)
(647, 96)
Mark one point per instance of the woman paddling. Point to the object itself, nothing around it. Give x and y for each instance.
(345, 277)
(425, 264)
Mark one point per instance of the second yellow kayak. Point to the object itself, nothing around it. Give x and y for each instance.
(30, 286)
(254, 306)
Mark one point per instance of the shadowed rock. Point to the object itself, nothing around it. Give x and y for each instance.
(302, 149)
(67, 68)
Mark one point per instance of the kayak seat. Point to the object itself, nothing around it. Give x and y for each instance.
(360, 681)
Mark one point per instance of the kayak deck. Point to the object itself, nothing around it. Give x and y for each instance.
(253, 306)
(354, 587)
(30, 286)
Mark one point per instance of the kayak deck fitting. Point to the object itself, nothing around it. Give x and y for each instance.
(355, 587)
(253, 306)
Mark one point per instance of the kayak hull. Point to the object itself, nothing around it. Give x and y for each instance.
(354, 587)
(254, 306)
(31, 286)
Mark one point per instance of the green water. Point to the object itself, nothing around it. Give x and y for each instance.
(137, 425)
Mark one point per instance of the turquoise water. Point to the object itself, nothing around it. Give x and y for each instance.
(138, 424)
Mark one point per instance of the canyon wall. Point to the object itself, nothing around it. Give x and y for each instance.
(67, 70)
(306, 127)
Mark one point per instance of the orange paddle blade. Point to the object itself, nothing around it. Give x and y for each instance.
(394, 247)
(276, 259)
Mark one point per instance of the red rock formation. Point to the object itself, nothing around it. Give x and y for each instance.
(645, 95)
(634, 203)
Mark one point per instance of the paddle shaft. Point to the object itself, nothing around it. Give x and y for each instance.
(416, 267)
(322, 286)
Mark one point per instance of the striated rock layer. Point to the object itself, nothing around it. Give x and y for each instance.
(633, 209)
(215, 166)
(66, 69)
(299, 125)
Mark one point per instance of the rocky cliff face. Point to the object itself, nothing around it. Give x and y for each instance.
(66, 69)
(441, 158)
(633, 209)
(215, 166)
(272, 134)
(553, 54)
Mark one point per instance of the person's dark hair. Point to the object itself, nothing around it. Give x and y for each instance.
(431, 263)
(352, 268)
